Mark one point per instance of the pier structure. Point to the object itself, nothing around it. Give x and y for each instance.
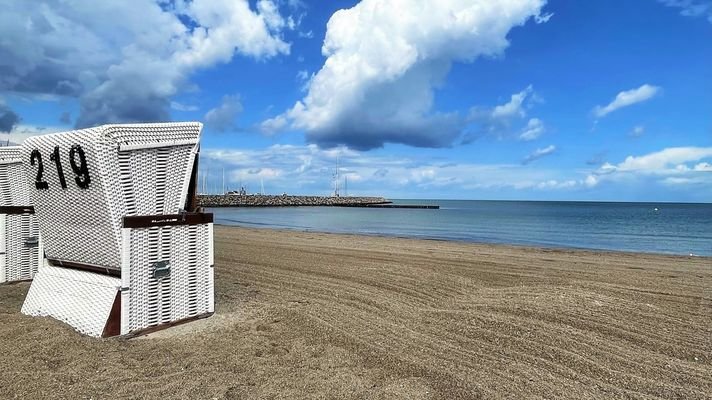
(258, 200)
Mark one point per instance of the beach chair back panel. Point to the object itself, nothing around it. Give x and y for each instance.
(13, 187)
(76, 220)
(82, 198)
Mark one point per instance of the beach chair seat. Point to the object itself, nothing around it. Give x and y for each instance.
(126, 252)
(20, 244)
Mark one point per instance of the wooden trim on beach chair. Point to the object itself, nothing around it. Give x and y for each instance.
(156, 328)
(148, 221)
(84, 267)
(191, 201)
(17, 210)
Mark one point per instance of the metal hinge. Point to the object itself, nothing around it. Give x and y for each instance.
(32, 241)
(161, 269)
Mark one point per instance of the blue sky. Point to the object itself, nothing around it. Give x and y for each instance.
(517, 99)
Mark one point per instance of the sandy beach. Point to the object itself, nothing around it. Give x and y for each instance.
(311, 315)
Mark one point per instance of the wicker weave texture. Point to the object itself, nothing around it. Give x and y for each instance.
(81, 299)
(135, 169)
(20, 252)
(13, 184)
(185, 292)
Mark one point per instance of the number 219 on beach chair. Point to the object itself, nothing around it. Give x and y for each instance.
(126, 250)
(20, 245)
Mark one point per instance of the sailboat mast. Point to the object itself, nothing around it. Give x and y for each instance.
(336, 181)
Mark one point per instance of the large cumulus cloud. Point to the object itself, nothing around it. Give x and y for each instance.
(125, 59)
(384, 59)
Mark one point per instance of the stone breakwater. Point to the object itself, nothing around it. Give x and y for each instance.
(257, 200)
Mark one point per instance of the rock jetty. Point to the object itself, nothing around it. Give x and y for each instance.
(257, 200)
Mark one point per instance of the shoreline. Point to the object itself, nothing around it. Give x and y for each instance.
(314, 315)
(538, 246)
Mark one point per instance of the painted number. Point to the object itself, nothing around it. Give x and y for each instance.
(77, 159)
(36, 157)
(57, 162)
(81, 169)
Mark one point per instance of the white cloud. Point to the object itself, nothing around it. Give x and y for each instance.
(272, 17)
(305, 79)
(554, 184)
(125, 65)
(674, 166)
(662, 161)
(226, 27)
(253, 173)
(541, 19)
(499, 121)
(309, 169)
(590, 181)
(692, 8)
(703, 166)
(23, 131)
(273, 125)
(627, 98)
(539, 153)
(533, 130)
(514, 106)
(637, 131)
(384, 59)
(183, 107)
(223, 118)
(303, 75)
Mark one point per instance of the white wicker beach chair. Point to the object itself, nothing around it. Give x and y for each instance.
(20, 244)
(126, 251)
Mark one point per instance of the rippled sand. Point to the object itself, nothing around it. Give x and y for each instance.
(309, 315)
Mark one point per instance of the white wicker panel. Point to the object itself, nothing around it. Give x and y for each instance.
(147, 177)
(13, 186)
(21, 255)
(155, 168)
(81, 299)
(10, 154)
(3, 245)
(186, 292)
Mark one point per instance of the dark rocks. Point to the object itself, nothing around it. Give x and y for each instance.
(257, 200)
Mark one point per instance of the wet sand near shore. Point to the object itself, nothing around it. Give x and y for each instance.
(313, 315)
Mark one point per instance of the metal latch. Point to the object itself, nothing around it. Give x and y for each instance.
(161, 269)
(32, 241)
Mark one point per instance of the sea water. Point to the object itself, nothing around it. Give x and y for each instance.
(671, 228)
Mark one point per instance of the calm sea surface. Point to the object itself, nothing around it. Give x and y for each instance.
(672, 228)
